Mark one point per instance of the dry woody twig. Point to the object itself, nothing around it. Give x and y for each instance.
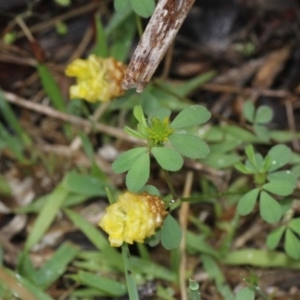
(157, 38)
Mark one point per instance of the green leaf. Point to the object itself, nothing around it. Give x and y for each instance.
(220, 160)
(87, 145)
(247, 202)
(249, 150)
(292, 244)
(139, 173)
(8, 114)
(143, 8)
(242, 168)
(279, 187)
(170, 233)
(274, 237)
(139, 115)
(270, 209)
(151, 189)
(296, 171)
(122, 38)
(249, 110)
(262, 132)
(211, 267)
(266, 165)
(264, 114)
(46, 216)
(169, 159)
(190, 116)
(259, 161)
(192, 84)
(83, 184)
(294, 224)
(280, 155)
(121, 5)
(51, 87)
(160, 114)
(101, 48)
(108, 286)
(56, 265)
(189, 145)
(245, 294)
(127, 159)
(239, 133)
(286, 175)
(197, 243)
(93, 234)
(135, 133)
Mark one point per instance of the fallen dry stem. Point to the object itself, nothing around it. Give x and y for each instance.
(45, 110)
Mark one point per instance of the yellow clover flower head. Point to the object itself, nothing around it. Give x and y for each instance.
(133, 218)
(97, 79)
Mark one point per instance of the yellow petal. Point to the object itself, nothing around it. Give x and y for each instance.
(133, 218)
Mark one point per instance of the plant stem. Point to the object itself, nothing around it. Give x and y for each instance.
(131, 285)
(139, 25)
(170, 185)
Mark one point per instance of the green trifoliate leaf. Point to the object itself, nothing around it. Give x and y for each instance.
(244, 294)
(126, 160)
(170, 233)
(139, 173)
(139, 115)
(219, 160)
(160, 114)
(270, 209)
(143, 8)
(190, 116)
(169, 159)
(264, 114)
(247, 202)
(249, 150)
(279, 187)
(243, 169)
(250, 166)
(295, 225)
(189, 145)
(153, 240)
(280, 155)
(248, 111)
(284, 176)
(296, 171)
(292, 244)
(262, 132)
(274, 237)
(135, 133)
(121, 5)
(266, 164)
(259, 161)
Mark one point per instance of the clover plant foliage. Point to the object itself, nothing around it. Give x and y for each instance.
(166, 141)
(269, 182)
(143, 8)
(258, 118)
(290, 234)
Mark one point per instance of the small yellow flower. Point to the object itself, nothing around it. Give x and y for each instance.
(97, 79)
(133, 218)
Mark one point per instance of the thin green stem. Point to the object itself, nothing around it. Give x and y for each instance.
(170, 185)
(131, 285)
(139, 25)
